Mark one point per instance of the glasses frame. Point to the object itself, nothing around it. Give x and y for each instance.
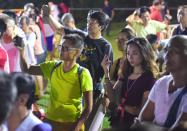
(66, 49)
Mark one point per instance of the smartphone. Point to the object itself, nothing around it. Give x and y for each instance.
(107, 50)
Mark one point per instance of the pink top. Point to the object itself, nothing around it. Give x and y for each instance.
(4, 60)
(13, 55)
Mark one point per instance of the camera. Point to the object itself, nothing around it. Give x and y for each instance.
(18, 42)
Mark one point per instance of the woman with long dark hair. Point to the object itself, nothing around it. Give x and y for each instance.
(130, 92)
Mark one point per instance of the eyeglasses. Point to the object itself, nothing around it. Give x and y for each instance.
(65, 48)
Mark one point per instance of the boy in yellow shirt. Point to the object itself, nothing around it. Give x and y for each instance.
(64, 111)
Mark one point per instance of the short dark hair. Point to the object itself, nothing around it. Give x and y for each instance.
(182, 39)
(143, 9)
(25, 84)
(8, 94)
(152, 38)
(101, 17)
(129, 33)
(3, 27)
(26, 20)
(76, 40)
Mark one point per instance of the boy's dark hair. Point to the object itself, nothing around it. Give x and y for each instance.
(143, 10)
(129, 33)
(25, 84)
(76, 40)
(3, 27)
(101, 17)
(8, 94)
(152, 38)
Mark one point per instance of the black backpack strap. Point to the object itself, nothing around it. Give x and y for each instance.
(172, 114)
(55, 66)
(80, 69)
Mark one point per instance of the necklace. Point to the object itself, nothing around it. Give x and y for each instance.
(130, 84)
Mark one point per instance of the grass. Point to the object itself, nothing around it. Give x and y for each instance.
(115, 29)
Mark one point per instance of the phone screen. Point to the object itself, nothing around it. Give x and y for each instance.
(107, 50)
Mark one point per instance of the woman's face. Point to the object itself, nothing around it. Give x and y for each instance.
(174, 59)
(134, 56)
(121, 41)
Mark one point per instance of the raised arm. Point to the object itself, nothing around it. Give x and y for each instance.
(132, 18)
(48, 18)
(32, 69)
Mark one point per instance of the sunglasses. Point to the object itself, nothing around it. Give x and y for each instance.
(65, 48)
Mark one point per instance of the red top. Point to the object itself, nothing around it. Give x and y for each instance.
(156, 14)
(3, 58)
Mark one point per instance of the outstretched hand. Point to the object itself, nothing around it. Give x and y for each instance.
(45, 10)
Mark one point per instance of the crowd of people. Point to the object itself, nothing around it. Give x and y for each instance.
(43, 54)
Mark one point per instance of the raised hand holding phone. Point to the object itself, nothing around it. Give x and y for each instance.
(106, 64)
(107, 50)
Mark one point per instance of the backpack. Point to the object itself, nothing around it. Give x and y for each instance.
(80, 69)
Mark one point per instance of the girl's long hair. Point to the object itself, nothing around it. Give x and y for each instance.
(149, 62)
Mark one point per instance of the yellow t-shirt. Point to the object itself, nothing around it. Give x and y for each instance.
(65, 97)
(153, 27)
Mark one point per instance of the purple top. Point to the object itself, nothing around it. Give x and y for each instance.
(136, 88)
